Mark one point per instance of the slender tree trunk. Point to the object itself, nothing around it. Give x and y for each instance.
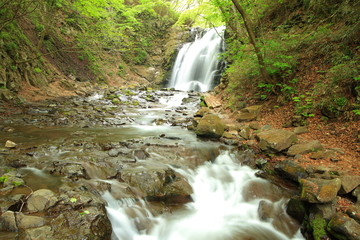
(252, 39)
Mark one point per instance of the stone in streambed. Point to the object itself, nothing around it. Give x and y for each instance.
(25, 221)
(8, 222)
(210, 126)
(41, 233)
(41, 200)
(10, 144)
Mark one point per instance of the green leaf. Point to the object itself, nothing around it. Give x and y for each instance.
(73, 200)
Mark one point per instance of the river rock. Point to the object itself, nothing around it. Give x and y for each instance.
(276, 139)
(349, 183)
(314, 190)
(25, 221)
(291, 170)
(303, 148)
(12, 179)
(155, 180)
(10, 144)
(202, 112)
(343, 227)
(85, 223)
(296, 209)
(140, 154)
(249, 113)
(210, 126)
(8, 222)
(40, 233)
(245, 132)
(70, 170)
(41, 200)
(178, 191)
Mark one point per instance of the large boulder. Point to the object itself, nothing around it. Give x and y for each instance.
(276, 139)
(343, 227)
(155, 180)
(41, 200)
(249, 113)
(291, 170)
(210, 126)
(303, 148)
(314, 190)
(349, 183)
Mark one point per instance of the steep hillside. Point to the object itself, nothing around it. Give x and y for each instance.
(62, 47)
(311, 54)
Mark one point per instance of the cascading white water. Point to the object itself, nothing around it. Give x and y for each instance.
(197, 63)
(219, 209)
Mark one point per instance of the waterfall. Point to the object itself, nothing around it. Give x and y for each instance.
(197, 63)
(222, 208)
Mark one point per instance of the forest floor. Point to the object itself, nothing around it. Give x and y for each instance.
(338, 135)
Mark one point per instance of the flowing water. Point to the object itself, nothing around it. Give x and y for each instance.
(223, 207)
(197, 64)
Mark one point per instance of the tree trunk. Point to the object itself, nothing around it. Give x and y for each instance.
(252, 39)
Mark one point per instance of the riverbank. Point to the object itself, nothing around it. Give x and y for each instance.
(311, 158)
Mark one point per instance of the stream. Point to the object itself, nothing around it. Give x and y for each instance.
(157, 179)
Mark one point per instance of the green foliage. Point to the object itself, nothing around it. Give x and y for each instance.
(37, 70)
(318, 226)
(3, 179)
(344, 74)
(39, 27)
(205, 15)
(17, 184)
(11, 47)
(304, 105)
(140, 56)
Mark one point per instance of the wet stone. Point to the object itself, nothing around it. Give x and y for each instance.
(25, 221)
(41, 200)
(8, 222)
(40, 233)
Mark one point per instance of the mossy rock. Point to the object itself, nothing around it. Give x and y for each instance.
(318, 226)
(116, 101)
(210, 126)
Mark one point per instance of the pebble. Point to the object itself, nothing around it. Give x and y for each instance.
(10, 144)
